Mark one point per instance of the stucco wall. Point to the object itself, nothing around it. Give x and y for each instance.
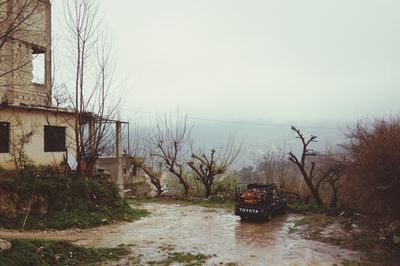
(25, 121)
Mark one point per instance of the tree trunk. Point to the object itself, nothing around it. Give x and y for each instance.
(185, 186)
(334, 199)
(208, 190)
(312, 188)
(316, 196)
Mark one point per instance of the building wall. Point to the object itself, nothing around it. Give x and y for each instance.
(119, 169)
(25, 121)
(31, 40)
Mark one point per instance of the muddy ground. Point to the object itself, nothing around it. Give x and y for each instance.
(215, 235)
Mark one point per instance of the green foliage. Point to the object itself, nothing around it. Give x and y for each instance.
(60, 201)
(186, 259)
(39, 252)
(306, 208)
(225, 186)
(352, 263)
(316, 220)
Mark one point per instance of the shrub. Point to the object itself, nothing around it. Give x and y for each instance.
(374, 166)
(57, 201)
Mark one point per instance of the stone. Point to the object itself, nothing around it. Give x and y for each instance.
(5, 245)
(396, 240)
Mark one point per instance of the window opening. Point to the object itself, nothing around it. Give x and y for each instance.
(38, 66)
(54, 139)
(4, 137)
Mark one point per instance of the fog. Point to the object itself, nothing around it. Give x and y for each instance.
(253, 68)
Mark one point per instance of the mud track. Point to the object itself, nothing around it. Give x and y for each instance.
(213, 232)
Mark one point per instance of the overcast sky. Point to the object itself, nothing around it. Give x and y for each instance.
(257, 60)
(280, 60)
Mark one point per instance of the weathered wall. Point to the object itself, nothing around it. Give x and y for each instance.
(25, 121)
(31, 37)
(34, 27)
(118, 167)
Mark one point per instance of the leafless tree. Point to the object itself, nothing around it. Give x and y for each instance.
(170, 139)
(331, 168)
(274, 167)
(92, 54)
(308, 171)
(142, 158)
(208, 166)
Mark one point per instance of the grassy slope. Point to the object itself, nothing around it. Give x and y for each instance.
(39, 252)
(68, 201)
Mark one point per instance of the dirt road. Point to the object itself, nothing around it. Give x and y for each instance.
(216, 233)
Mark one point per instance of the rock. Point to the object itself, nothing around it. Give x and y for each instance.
(396, 240)
(5, 245)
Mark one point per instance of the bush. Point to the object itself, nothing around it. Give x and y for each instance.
(373, 180)
(59, 201)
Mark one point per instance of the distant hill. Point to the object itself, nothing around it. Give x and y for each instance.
(257, 138)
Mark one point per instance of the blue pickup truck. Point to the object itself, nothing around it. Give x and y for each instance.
(258, 201)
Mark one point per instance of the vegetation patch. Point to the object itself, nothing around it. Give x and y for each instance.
(316, 220)
(166, 247)
(39, 252)
(339, 230)
(50, 200)
(298, 207)
(352, 263)
(186, 259)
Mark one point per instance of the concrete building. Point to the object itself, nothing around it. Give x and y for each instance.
(25, 52)
(31, 128)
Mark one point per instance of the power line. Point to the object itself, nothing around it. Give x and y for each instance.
(236, 122)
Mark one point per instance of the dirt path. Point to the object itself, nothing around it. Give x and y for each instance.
(213, 232)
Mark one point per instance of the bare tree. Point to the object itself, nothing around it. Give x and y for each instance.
(169, 141)
(208, 167)
(274, 167)
(308, 172)
(330, 170)
(141, 157)
(92, 53)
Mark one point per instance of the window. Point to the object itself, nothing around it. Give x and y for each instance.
(54, 139)
(4, 137)
(38, 66)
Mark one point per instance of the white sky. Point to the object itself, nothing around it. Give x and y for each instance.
(258, 60)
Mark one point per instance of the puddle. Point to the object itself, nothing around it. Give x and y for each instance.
(216, 233)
